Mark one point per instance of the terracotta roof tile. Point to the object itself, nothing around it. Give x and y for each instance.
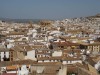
(67, 43)
(9, 74)
(11, 67)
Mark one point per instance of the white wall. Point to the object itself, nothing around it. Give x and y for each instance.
(71, 62)
(10, 45)
(7, 54)
(64, 62)
(2, 55)
(40, 61)
(62, 71)
(97, 65)
(57, 53)
(46, 61)
(30, 55)
(11, 71)
(23, 71)
(76, 61)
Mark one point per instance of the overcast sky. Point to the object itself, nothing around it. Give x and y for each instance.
(48, 9)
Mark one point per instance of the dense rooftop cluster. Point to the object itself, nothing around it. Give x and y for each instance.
(67, 47)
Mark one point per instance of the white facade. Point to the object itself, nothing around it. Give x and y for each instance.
(64, 62)
(23, 70)
(30, 55)
(57, 53)
(71, 62)
(97, 66)
(2, 55)
(62, 71)
(9, 46)
(46, 60)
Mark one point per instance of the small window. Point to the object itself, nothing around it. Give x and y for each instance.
(25, 53)
(38, 55)
(11, 52)
(11, 55)
(11, 59)
(62, 46)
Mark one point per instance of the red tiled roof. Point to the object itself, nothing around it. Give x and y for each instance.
(11, 67)
(67, 43)
(70, 58)
(21, 62)
(72, 69)
(9, 74)
(49, 58)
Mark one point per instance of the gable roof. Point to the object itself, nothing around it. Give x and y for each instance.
(20, 62)
(3, 49)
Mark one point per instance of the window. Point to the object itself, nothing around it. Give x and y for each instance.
(38, 55)
(35, 56)
(25, 53)
(0, 56)
(62, 46)
(11, 54)
(4, 52)
(11, 59)
(41, 55)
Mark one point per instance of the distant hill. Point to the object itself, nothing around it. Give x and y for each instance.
(95, 16)
(20, 20)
